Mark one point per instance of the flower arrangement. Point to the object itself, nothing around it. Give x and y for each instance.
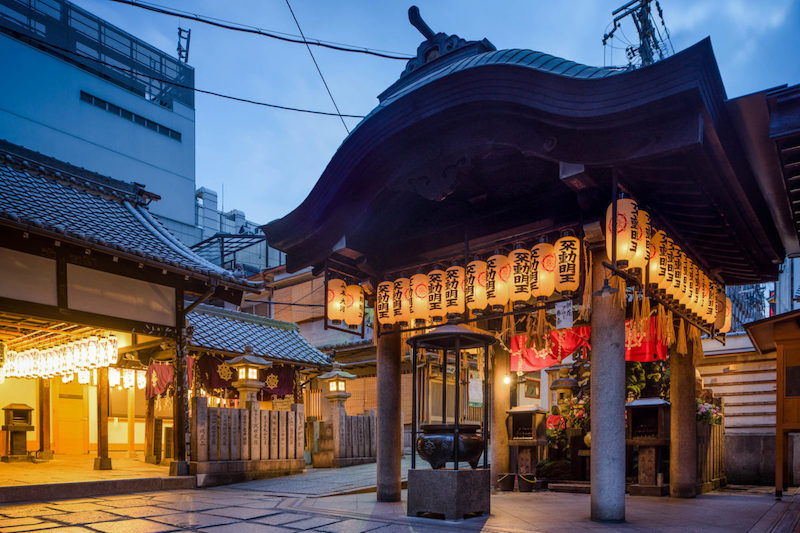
(556, 430)
(708, 412)
(574, 413)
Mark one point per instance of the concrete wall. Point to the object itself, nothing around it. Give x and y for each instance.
(41, 109)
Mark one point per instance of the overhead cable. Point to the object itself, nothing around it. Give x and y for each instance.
(319, 71)
(258, 31)
(183, 86)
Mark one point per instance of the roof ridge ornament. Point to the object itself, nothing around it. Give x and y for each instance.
(438, 44)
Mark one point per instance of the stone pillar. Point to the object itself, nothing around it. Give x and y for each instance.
(132, 423)
(389, 428)
(45, 452)
(102, 461)
(500, 400)
(180, 402)
(608, 401)
(683, 425)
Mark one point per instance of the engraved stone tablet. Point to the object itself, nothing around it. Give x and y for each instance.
(244, 421)
(199, 429)
(290, 435)
(213, 433)
(263, 446)
(224, 434)
(255, 430)
(273, 434)
(236, 445)
(282, 434)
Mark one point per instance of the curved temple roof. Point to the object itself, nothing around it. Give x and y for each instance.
(474, 142)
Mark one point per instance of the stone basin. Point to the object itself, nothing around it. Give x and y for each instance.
(435, 445)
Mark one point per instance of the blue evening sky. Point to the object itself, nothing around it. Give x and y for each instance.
(268, 160)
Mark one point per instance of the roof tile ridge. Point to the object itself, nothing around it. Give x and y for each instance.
(170, 240)
(91, 182)
(246, 317)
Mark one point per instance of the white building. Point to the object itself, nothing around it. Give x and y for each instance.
(63, 98)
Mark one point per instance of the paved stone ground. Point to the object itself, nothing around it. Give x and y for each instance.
(235, 510)
(68, 468)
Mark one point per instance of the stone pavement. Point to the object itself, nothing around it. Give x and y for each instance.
(235, 510)
(69, 468)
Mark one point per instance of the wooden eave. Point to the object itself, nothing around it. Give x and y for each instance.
(489, 140)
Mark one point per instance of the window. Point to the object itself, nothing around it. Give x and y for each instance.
(129, 115)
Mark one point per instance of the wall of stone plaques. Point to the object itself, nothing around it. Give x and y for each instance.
(231, 434)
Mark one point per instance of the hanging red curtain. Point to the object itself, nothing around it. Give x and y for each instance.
(564, 342)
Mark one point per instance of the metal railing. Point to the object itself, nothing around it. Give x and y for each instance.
(95, 45)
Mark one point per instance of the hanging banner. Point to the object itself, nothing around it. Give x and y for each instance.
(565, 342)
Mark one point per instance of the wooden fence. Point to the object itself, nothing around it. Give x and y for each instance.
(710, 456)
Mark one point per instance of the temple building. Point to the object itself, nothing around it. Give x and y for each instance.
(562, 210)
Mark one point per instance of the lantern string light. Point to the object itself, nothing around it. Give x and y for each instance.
(62, 360)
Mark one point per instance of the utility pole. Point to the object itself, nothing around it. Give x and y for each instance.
(652, 46)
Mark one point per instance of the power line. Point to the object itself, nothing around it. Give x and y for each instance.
(195, 89)
(257, 31)
(325, 83)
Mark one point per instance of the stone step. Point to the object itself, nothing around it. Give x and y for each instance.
(576, 487)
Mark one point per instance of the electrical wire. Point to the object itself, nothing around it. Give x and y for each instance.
(319, 71)
(183, 86)
(257, 31)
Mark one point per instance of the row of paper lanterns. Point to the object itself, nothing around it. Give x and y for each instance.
(658, 261)
(66, 359)
(516, 278)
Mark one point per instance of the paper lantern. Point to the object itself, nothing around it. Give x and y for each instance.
(141, 379)
(627, 231)
(454, 290)
(354, 310)
(436, 279)
(384, 304)
(419, 298)
(642, 255)
(128, 378)
(711, 302)
(568, 264)
(337, 301)
(519, 285)
(402, 301)
(728, 316)
(475, 285)
(720, 304)
(657, 263)
(543, 267)
(686, 276)
(497, 274)
(113, 377)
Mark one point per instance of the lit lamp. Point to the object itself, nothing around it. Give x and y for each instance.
(419, 298)
(337, 300)
(642, 255)
(354, 310)
(568, 261)
(384, 304)
(454, 291)
(520, 282)
(627, 225)
(497, 274)
(402, 301)
(543, 266)
(247, 367)
(475, 286)
(728, 315)
(657, 262)
(436, 294)
(335, 385)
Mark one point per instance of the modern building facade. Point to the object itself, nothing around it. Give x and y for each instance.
(121, 108)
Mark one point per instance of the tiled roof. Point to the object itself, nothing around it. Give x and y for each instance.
(218, 329)
(530, 59)
(47, 195)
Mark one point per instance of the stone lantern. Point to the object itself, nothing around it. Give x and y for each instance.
(247, 367)
(335, 385)
(564, 385)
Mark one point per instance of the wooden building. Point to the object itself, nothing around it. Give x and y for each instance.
(474, 149)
